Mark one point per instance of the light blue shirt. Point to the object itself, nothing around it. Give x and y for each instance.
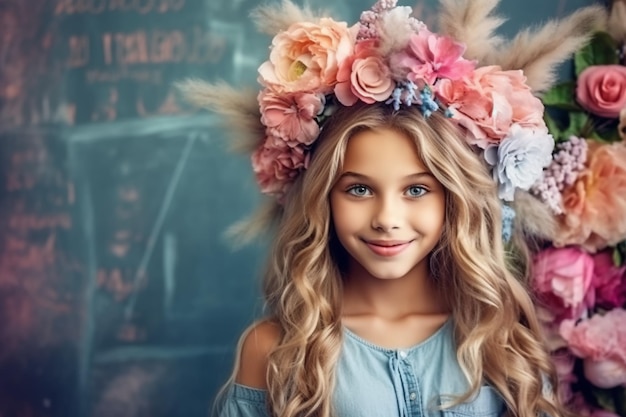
(373, 381)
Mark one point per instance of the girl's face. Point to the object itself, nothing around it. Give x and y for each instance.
(387, 208)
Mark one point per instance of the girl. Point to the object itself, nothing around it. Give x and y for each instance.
(393, 161)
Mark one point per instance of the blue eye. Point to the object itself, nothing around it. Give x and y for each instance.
(416, 191)
(358, 190)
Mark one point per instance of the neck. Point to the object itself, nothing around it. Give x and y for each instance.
(414, 294)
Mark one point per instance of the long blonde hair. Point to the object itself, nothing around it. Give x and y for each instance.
(496, 330)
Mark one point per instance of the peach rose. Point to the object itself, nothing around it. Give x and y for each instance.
(306, 57)
(291, 116)
(365, 76)
(601, 89)
(594, 206)
(489, 101)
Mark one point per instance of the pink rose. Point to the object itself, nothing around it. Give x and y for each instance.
(291, 116)
(364, 76)
(609, 281)
(562, 280)
(307, 56)
(489, 101)
(601, 342)
(605, 373)
(429, 56)
(276, 168)
(601, 89)
(594, 206)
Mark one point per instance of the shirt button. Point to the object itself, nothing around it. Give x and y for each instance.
(412, 396)
(402, 354)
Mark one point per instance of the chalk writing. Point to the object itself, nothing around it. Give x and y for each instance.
(96, 7)
(160, 46)
(79, 51)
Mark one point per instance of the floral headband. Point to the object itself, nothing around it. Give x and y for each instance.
(390, 57)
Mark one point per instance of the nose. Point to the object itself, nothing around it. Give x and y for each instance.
(387, 214)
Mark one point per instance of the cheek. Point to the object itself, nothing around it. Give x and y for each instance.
(345, 218)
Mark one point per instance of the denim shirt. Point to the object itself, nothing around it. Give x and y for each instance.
(372, 381)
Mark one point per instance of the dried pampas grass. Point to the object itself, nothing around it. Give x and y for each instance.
(273, 18)
(240, 110)
(473, 23)
(539, 51)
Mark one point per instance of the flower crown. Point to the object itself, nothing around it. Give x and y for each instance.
(390, 57)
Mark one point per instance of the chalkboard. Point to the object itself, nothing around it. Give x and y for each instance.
(119, 294)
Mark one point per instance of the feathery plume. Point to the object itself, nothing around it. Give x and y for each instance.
(239, 108)
(534, 217)
(473, 23)
(616, 26)
(273, 18)
(539, 51)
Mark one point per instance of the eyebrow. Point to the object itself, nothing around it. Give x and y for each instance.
(365, 177)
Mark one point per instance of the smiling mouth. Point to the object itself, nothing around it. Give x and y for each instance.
(387, 248)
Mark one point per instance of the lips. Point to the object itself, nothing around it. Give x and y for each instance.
(387, 247)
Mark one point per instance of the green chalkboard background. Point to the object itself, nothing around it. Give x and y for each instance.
(119, 296)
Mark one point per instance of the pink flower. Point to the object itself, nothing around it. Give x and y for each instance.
(429, 56)
(594, 206)
(291, 116)
(276, 168)
(605, 373)
(307, 56)
(601, 342)
(487, 102)
(609, 281)
(364, 76)
(601, 89)
(562, 280)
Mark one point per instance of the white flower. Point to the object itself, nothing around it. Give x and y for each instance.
(396, 27)
(520, 159)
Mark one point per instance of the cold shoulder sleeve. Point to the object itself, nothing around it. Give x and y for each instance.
(242, 401)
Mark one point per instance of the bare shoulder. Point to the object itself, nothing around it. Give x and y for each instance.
(258, 342)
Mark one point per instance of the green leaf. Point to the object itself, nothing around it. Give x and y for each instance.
(579, 125)
(617, 258)
(601, 50)
(553, 127)
(561, 96)
(619, 254)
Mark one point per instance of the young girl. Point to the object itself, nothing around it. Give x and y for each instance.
(395, 285)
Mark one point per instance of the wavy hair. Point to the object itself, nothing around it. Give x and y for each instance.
(496, 330)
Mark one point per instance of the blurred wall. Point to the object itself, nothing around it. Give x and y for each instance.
(119, 295)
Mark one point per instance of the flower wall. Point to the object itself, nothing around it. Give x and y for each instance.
(580, 276)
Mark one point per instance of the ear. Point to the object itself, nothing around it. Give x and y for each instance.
(473, 23)
(242, 117)
(539, 51)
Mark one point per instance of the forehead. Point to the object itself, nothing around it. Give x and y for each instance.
(380, 151)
